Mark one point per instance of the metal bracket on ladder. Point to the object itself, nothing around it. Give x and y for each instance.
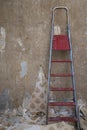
(62, 43)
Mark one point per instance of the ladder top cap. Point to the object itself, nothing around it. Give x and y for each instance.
(64, 8)
(60, 7)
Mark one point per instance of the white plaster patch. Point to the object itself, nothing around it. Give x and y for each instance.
(57, 30)
(86, 19)
(23, 69)
(2, 38)
(20, 43)
(85, 33)
(41, 78)
(23, 49)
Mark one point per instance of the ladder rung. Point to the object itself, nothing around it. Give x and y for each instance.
(61, 61)
(61, 75)
(69, 119)
(61, 89)
(61, 104)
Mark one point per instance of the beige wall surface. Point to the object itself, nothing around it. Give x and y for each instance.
(25, 27)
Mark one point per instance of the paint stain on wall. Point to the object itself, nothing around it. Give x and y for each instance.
(20, 43)
(2, 38)
(24, 69)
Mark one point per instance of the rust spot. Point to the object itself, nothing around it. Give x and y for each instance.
(41, 95)
(42, 106)
(37, 100)
(32, 105)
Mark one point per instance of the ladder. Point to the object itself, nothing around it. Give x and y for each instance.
(62, 43)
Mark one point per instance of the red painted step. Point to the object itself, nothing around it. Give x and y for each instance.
(66, 119)
(61, 75)
(61, 42)
(61, 61)
(61, 89)
(61, 104)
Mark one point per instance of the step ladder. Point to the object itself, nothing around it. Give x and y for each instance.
(62, 43)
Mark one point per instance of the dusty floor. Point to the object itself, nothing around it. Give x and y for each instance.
(21, 119)
(25, 36)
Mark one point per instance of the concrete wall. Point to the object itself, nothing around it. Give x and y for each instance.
(24, 43)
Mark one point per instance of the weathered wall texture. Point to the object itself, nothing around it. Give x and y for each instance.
(25, 27)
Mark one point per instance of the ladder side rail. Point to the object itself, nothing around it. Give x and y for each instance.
(50, 64)
(73, 77)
